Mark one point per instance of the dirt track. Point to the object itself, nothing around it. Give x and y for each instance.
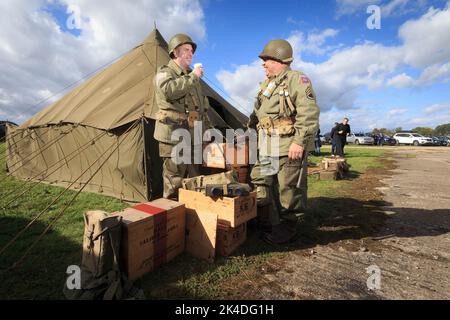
(399, 221)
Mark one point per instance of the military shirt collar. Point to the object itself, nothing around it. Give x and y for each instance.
(175, 67)
(281, 75)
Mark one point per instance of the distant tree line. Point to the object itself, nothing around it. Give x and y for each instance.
(441, 130)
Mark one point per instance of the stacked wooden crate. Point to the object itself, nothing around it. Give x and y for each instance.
(216, 225)
(224, 157)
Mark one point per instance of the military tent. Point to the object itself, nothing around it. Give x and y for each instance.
(110, 114)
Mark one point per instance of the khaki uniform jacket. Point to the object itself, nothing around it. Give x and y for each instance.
(178, 92)
(306, 116)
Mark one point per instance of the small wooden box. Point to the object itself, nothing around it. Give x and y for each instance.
(223, 155)
(229, 239)
(231, 212)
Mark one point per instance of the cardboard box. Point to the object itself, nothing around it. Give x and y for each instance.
(224, 155)
(153, 233)
(230, 239)
(231, 212)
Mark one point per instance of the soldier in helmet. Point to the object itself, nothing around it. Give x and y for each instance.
(181, 104)
(287, 117)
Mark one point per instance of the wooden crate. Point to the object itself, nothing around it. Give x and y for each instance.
(224, 155)
(231, 212)
(335, 164)
(153, 234)
(229, 239)
(243, 174)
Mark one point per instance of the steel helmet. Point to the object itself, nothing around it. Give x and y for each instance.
(178, 40)
(278, 49)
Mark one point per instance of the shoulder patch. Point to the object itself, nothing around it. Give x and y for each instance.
(304, 79)
(309, 93)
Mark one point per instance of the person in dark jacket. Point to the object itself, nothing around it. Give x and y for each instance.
(341, 133)
(333, 137)
(317, 143)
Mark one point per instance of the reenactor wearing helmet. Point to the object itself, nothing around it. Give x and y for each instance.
(286, 116)
(181, 105)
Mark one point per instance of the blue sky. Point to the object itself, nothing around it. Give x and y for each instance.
(397, 76)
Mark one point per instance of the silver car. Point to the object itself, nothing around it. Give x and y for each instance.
(359, 138)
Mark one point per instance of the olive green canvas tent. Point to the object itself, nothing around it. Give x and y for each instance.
(105, 124)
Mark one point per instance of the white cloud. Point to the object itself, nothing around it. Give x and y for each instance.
(401, 81)
(315, 41)
(437, 108)
(396, 112)
(388, 7)
(428, 120)
(401, 7)
(434, 73)
(37, 58)
(429, 76)
(242, 84)
(427, 40)
(349, 7)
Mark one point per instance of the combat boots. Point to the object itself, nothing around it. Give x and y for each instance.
(263, 218)
(283, 233)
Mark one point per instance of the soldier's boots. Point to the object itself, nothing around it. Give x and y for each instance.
(283, 233)
(263, 218)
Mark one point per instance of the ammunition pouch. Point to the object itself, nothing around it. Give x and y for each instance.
(192, 117)
(173, 118)
(282, 127)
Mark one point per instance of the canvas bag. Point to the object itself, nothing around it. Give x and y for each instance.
(100, 270)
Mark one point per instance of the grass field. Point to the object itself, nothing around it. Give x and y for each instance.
(43, 273)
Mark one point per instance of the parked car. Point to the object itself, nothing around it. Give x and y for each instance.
(326, 138)
(322, 139)
(386, 140)
(374, 136)
(436, 141)
(445, 141)
(441, 141)
(359, 138)
(412, 139)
